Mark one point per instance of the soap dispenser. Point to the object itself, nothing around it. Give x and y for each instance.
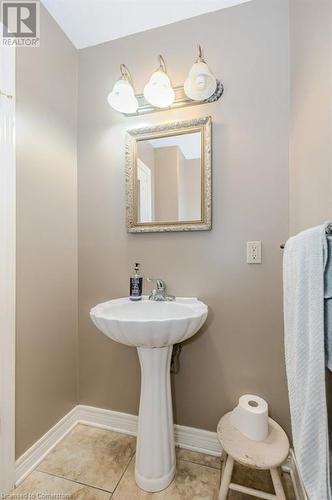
(136, 284)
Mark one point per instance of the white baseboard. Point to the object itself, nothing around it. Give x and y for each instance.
(27, 462)
(107, 419)
(191, 438)
(188, 438)
(185, 437)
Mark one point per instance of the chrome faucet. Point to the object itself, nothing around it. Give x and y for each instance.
(159, 293)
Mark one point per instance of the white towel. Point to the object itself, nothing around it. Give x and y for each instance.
(304, 262)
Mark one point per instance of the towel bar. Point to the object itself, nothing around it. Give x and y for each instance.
(328, 230)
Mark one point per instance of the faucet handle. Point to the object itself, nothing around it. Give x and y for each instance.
(161, 285)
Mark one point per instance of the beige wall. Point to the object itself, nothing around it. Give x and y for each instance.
(166, 183)
(46, 86)
(189, 183)
(311, 113)
(240, 349)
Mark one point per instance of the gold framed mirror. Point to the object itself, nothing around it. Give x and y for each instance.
(168, 177)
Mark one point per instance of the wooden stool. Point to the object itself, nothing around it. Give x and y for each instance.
(264, 455)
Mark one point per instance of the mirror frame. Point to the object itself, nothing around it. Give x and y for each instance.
(202, 125)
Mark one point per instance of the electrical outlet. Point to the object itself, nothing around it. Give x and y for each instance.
(254, 252)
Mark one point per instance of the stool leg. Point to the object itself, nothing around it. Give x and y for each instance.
(226, 478)
(278, 487)
(224, 464)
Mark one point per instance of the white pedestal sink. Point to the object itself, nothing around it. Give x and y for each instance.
(153, 327)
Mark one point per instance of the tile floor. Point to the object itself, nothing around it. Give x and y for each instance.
(96, 464)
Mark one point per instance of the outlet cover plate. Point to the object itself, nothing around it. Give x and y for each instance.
(254, 252)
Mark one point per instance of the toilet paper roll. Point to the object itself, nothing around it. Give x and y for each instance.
(250, 417)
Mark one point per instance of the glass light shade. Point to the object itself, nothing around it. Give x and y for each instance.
(158, 91)
(200, 83)
(122, 98)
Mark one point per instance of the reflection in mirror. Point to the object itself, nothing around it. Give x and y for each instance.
(169, 178)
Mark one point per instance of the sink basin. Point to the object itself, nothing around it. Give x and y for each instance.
(148, 323)
(153, 327)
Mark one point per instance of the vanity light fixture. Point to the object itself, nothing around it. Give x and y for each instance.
(122, 98)
(200, 87)
(200, 83)
(158, 91)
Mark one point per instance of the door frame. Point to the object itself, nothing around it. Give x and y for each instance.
(142, 167)
(7, 268)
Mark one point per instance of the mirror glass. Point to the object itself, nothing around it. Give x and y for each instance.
(169, 178)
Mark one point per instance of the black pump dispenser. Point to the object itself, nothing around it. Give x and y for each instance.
(136, 284)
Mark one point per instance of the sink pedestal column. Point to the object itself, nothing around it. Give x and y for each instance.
(155, 454)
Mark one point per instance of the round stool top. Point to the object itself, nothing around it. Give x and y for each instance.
(259, 454)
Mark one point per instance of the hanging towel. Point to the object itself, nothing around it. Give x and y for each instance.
(304, 262)
(328, 305)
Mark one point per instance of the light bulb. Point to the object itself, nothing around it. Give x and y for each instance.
(158, 91)
(122, 98)
(200, 83)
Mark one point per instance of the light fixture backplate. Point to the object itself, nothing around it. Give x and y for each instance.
(181, 101)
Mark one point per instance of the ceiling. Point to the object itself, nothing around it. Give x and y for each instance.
(190, 144)
(89, 22)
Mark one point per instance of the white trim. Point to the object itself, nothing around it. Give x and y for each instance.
(38, 451)
(147, 179)
(7, 269)
(107, 419)
(198, 440)
(185, 437)
(188, 438)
